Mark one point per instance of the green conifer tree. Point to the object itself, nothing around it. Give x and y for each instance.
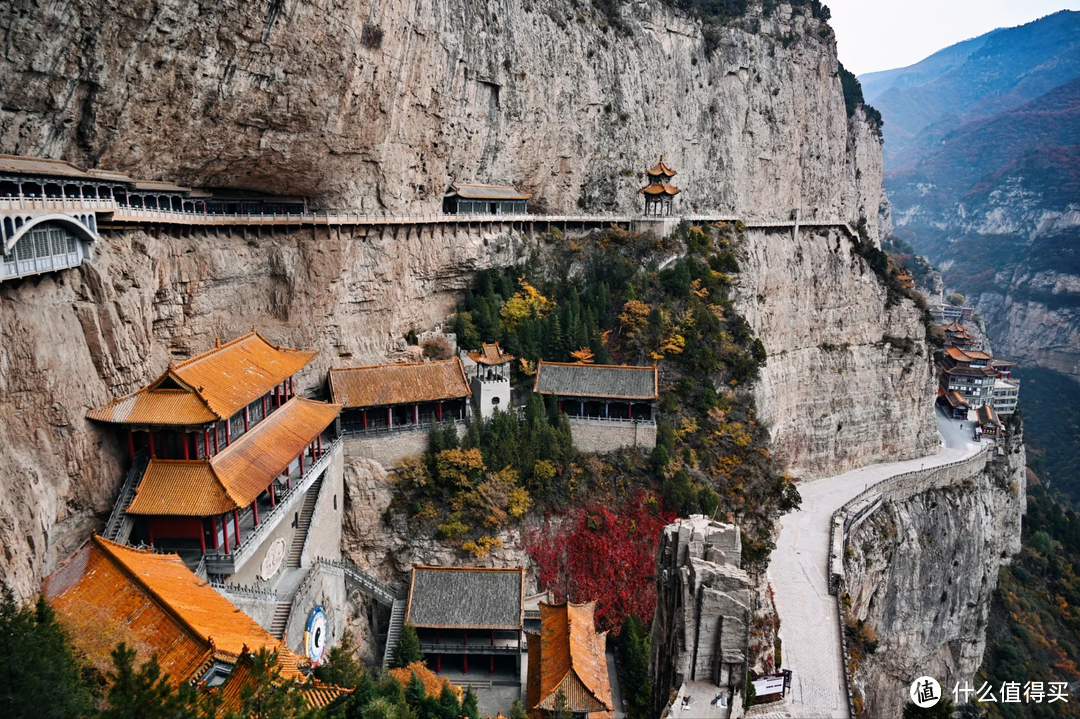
(408, 649)
(469, 706)
(39, 675)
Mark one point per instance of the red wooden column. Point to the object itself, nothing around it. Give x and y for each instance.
(318, 443)
(216, 449)
(131, 444)
(438, 663)
(187, 454)
(205, 443)
(273, 502)
(213, 532)
(465, 663)
(389, 417)
(153, 452)
(292, 390)
(228, 431)
(301, 458)
(236, 526)
(202, 536)
(416, 414)
(225, 531)
(264, 406)
(438, 410)
(255, 510)
(245, 418)
(364, 416)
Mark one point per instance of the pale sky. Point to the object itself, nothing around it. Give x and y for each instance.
(880, 35)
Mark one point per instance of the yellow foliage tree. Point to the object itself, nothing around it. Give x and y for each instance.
(460, 468)
(480, 548)
(634, 317)
(583, 355)
(524, 304)
(519, 502)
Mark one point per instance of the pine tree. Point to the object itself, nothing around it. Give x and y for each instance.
(39, 675)
(449, 706)
(414, 691)
(143, 693)
(469, 707)
(408, 649)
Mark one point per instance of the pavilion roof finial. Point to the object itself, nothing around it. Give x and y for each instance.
(217, 342)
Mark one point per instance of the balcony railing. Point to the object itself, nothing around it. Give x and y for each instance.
(610, 420)
(352, 431)
(218, 562)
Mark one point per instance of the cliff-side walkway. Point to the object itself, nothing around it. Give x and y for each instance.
(798, 571)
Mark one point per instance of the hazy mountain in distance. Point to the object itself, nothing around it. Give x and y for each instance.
(971, 80)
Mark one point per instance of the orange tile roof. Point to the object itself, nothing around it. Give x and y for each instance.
(238, 474)
(404, 383)
(570, 660)
(661, 168)
(987, 415)
(210, 386)
(660, 188)
(107, 593)
(490, 354)
(433, 684)
(316, 695)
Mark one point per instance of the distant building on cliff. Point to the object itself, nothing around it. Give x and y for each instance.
(463, 199)
(956, 335)
(976, 378)
(488, 369)
(659, 193)
(389, 409)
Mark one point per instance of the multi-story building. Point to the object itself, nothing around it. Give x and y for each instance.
(222, 451)
(956, 335)
(967, 372)
(1006, 396)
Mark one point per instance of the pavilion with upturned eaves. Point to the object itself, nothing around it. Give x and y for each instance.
(217, 443)
(659, 193)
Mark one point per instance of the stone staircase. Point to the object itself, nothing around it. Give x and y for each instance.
(281, 619)
(300, 538)
(118, 528)
(393, 632)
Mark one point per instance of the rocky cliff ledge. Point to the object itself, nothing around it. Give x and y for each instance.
(920, 574)
(380, 105)
(849, 380)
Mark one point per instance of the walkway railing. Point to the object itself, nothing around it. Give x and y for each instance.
(610, 420)
(382, 593)
(352, 431)
(127, 213)
(118, 528)
(245, 591)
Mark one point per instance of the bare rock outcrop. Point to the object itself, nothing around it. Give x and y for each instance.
(920, 574)
(701, 625)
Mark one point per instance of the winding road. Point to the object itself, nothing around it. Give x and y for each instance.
(798, 572)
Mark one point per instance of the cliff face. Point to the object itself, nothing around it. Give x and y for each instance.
(920, 574)
(379, 105)
(848, 380)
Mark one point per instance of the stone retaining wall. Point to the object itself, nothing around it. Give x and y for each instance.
(609, 435)
(390, 447)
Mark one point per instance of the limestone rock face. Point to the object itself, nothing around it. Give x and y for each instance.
(921, 574)
(379, 106)
(701, 625)
(388, 549)
(849, 380)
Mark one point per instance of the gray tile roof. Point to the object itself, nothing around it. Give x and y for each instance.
(591, 380)
(487, 192)
(466, 598)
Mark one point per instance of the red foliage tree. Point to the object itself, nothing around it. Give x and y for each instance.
(603, 554)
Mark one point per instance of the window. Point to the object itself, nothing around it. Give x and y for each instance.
(495, 401)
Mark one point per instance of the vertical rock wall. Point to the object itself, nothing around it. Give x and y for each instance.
(849, 380)
(920, 574)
